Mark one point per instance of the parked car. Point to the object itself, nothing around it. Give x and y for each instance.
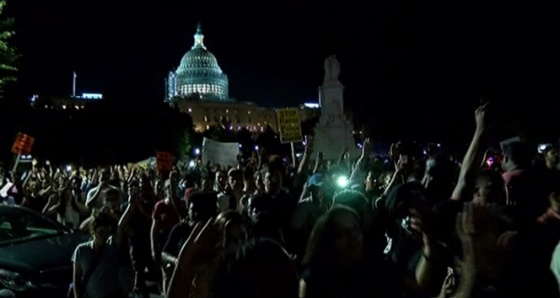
(35, 254)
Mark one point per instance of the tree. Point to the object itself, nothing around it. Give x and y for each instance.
(245, 139)
(270, 141)
(8, 54)
(308, 126)
(180, 132)
(109, 132)
(221, 132)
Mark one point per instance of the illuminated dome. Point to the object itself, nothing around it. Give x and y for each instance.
(198, 75)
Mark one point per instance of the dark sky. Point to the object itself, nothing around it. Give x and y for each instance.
(405, 59)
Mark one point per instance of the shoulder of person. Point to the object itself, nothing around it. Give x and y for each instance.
(81, 248)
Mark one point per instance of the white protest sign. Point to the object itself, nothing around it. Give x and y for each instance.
(224, 154)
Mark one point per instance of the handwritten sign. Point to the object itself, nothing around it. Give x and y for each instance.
(289, 125)
(224, 154)
(164, 161)
(23, 144)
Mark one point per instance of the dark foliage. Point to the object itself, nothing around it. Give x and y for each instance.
(105, 132)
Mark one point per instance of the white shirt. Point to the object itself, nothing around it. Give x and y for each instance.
(71, 217)
(555, 264)
(105, 278)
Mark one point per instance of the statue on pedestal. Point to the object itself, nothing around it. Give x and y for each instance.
(332, 70)
(334, 131)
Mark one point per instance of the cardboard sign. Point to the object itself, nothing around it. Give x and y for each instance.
(164, 161)
(221, 153)
(23, 144)
(289, 125)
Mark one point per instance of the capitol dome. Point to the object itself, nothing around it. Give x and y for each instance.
(198, 75)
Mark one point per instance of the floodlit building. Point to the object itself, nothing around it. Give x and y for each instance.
(76, 102)
(198, 75)
(200, 88)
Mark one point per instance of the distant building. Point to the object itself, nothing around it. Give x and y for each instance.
(198, 75)
(309, 111)
(200, 88)
(72, 102)
(239, 114)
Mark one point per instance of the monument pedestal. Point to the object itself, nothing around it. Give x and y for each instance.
(334, 131)
(331, 138)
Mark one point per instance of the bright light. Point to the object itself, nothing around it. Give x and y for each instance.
(68, 168)
(490, 161)
(256, 147)
(92, 96)
(196, 151)
(311, 105)
(192, 164)
(342, 181)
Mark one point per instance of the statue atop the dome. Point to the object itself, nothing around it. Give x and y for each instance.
(332, 70)
(198, 38)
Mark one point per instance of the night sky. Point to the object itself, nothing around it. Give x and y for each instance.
(407, 59)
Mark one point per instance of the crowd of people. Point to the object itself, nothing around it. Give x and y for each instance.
(425, 227)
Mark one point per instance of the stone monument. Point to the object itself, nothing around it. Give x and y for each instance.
(333, 131)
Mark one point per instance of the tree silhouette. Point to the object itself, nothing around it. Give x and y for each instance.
(270, 141)
(109, 132)
(8, 55)
(308, 126)
(245, 139)
(221, 131)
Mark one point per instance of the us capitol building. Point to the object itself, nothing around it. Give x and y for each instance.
(200, 87)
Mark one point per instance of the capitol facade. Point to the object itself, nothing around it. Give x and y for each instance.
(199, 88)
(198, 76)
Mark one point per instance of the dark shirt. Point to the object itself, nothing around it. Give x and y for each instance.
(325, 281)
(177, 237)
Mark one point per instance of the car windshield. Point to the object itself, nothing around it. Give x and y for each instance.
(20, 224)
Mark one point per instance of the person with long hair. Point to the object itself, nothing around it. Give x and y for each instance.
(68, 209)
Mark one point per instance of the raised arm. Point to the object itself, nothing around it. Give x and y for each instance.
(472, 159)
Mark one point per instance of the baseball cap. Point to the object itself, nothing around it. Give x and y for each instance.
(315, 180)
